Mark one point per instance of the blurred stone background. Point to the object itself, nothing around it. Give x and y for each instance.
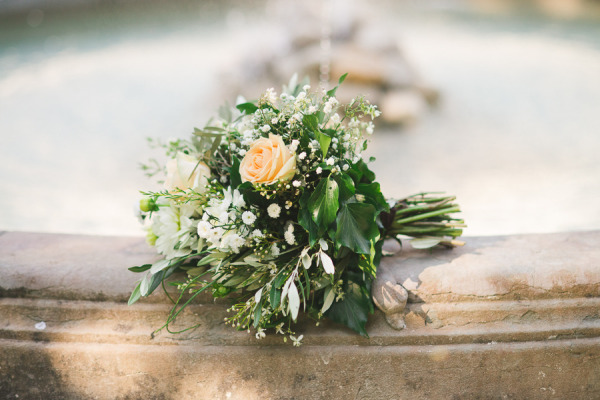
(494, 101)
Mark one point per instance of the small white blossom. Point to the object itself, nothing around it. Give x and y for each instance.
(335, 118)
(265, 128)
(248, 217)
(289, 237)
(330, 161)
(294, 145)
(274, 210)
(296, 183)
(312, 109)
(242, 152)
(345, 167)
(223, 179)
(319, 170)
(275, 250)
(302, 155)
(204, 228)
(260, 333)
(297, 342)
(306, 88)
(274, 120)
(257, 234)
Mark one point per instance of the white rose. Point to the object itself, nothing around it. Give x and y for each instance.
(185, 172)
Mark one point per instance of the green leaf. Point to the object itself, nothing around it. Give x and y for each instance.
(141, 268)
(331, 93)
(323, 203)
(248, 108)
(257, 314)
(311, 121)
(234, 173)
(346, 186)
(356, 227)
(324, 141)
(305, 220)
(354, 309)
(274, 297)
(373, 195)
(135, 295)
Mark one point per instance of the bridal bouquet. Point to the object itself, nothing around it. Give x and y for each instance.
(273, 205)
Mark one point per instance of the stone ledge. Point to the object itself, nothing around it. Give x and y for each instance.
(503, 317)
(534, 370)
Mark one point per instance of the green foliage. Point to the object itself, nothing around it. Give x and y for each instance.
(356, 227)
(353, 311)
(323, 203)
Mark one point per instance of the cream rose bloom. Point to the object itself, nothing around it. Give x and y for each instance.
(185, 172)
(267, 161)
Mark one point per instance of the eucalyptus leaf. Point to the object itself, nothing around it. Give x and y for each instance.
(141, 268)
(328, 297)
(135, 295)
(293, 301)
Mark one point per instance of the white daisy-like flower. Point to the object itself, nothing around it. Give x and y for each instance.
(275, 250)
(289, 237)
(257, 234)
(274, 210)
(248, 217)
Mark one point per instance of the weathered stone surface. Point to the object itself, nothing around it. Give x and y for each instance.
(538, 370)
(534, 334)
(519, 267)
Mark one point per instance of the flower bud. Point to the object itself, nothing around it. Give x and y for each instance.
(148, 204)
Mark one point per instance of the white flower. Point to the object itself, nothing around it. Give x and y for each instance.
(345, 167)
(335, 118)
(302, 155)
(306, 88)
(257, 234)
(265, 128)
(248, 217)
(274, 120)
(312, 109)
(275, 250)
(370, 128)
(330, 161)
(319, 170)
(238, 199)
(274, 210)
(296, 183)
(294, 146)
(204, 228)
(232, 241)
(289, 237)
(174, 227)
(297, 342)
(260, 333)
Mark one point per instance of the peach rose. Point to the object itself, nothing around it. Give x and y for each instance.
(268, 161)
(185, 172)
